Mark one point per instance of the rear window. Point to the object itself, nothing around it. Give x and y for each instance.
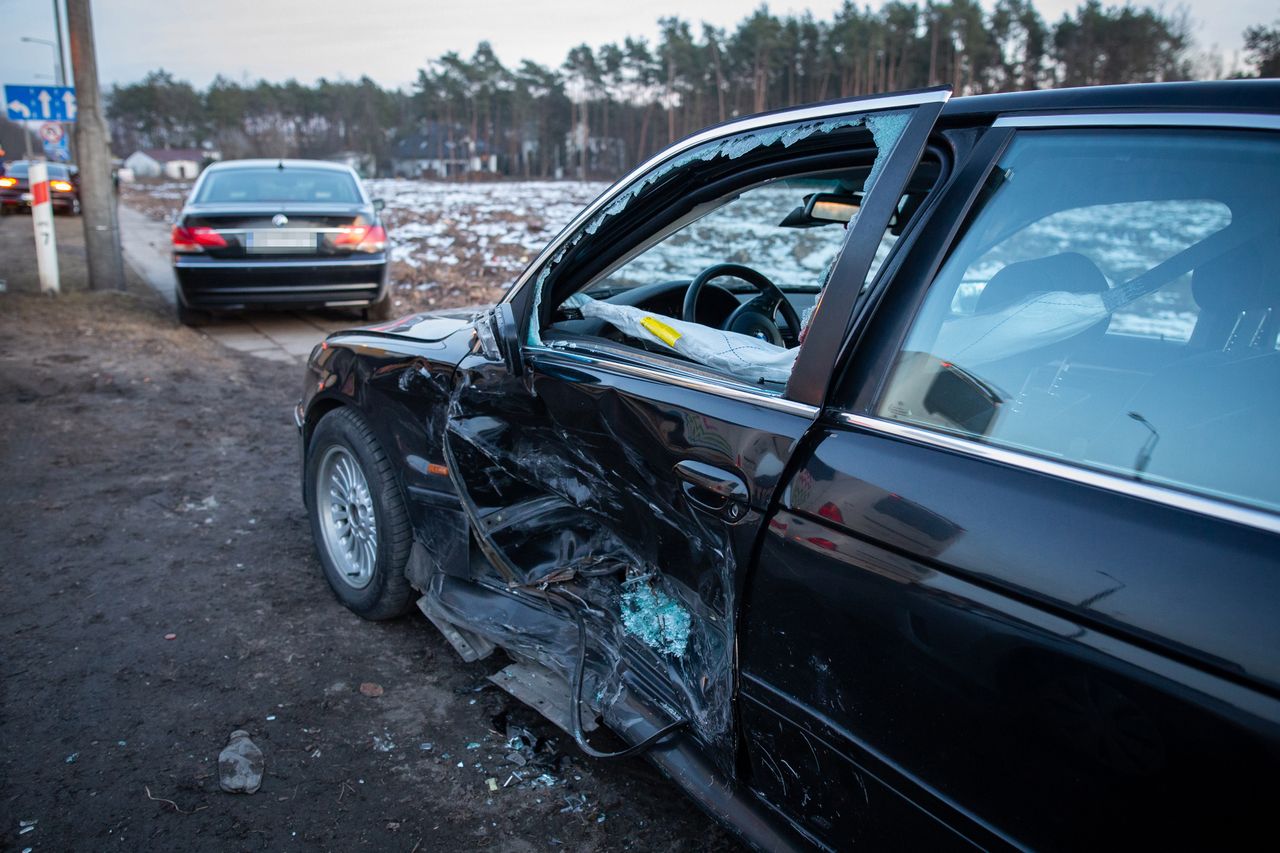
(272, 184)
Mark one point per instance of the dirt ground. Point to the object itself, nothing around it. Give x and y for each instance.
(160, 590)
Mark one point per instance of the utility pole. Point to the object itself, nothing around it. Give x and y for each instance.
(97, 194)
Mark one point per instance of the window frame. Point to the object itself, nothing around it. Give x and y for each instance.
(942, 234)
(926, 105)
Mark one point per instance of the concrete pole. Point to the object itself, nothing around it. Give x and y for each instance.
(97, 194)
(42, 220)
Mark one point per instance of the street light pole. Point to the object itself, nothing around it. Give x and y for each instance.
(62, 57)
(58, 76)
(97, 196)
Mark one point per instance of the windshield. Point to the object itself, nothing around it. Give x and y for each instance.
(273, 184)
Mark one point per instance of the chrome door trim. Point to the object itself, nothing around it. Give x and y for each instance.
(1198, 504)
(853, 105)
(1258, 121)
(720, 389)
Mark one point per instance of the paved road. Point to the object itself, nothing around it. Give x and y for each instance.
(280, 336)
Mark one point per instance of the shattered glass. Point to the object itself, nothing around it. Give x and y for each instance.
(885, 128)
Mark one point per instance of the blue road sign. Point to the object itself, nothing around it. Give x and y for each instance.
(57, 151)
(40, 103)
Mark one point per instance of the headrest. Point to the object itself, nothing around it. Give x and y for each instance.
(1246, 277)
(1071, 272)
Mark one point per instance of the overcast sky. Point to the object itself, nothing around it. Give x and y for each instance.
(390, 39)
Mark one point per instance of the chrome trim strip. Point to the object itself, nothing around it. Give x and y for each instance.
(319, 261)
(1086, 476)
(1259, 121)
(881, 102)
(732, 392)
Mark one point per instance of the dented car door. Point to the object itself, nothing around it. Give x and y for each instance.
(617, 497)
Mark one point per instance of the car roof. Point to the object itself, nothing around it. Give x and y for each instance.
(270, 163)
(1261, 96)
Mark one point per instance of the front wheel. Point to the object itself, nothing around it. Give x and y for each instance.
(358, 518)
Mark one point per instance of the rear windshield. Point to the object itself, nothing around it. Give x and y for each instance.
(270, 183)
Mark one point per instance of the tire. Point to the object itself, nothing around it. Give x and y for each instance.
(192, 317)
(365, 567)
(383, 309)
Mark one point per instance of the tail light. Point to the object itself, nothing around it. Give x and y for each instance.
(196, 239)
(8, 182)
(60, 186)
(361, 238)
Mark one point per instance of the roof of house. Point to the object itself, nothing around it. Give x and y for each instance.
(433, 140)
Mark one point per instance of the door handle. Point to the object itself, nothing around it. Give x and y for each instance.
(714, 489)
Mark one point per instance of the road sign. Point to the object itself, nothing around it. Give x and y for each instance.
(51, 132)
(57, 150)
(40, 103)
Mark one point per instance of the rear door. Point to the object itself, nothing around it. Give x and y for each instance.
(1023, 588)
(636, 482)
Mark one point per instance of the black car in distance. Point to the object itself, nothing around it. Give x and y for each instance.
(279, 233)
(15, 188)
(895, 473)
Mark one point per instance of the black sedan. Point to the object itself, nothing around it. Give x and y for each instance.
(16, 194)
(279, 233)
(894, 473)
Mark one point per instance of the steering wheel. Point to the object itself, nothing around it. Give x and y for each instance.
(755, 317)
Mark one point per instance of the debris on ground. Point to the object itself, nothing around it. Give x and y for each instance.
(240, 765)
(371, 689)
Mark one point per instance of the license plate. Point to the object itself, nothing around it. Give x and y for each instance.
(26, 196)
(280, 241)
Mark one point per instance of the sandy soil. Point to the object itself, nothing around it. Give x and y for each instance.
(149, 488)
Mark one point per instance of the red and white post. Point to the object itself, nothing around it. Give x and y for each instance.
(42, 219)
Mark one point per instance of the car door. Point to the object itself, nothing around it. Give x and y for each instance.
(1027, 570)
(636, 482)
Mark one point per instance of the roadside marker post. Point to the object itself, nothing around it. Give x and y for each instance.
(42, 220)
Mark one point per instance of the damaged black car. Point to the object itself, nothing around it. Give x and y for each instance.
(894, 472)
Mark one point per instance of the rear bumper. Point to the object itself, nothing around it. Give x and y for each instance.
(210, 283)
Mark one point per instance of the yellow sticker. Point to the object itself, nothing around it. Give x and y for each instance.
(660, 330)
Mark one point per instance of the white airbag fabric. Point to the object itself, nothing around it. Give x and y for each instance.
(743, 356)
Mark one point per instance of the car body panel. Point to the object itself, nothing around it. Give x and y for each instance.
(917, 646)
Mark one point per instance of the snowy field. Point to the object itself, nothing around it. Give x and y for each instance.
(452, 241)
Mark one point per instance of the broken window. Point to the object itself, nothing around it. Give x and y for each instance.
(761, 200)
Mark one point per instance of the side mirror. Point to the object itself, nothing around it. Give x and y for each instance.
(379, 204)
(499, 337)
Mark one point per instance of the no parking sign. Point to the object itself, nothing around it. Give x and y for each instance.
(55, 142)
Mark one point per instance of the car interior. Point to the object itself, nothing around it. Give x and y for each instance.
(752, 261)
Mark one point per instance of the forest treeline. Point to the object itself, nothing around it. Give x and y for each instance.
(607, 107)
